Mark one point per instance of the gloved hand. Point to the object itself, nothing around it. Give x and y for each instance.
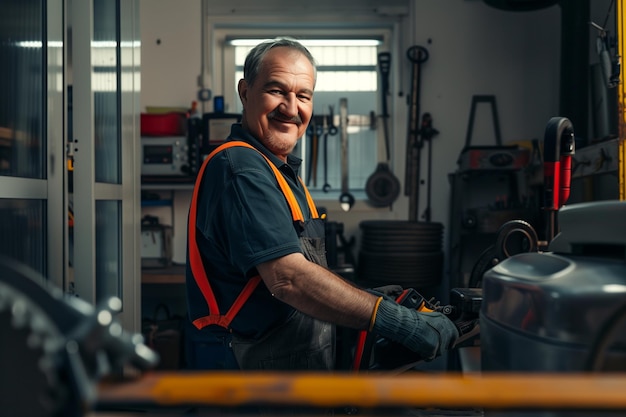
(388, 291)
(428, 334)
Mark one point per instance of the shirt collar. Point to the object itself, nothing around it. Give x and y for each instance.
(291, 167)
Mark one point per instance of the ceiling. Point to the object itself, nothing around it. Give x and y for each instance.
(286, 7)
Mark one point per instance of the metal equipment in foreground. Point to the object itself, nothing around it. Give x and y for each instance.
(561, 310)
(54, 348)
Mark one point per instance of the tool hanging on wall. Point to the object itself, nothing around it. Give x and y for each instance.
(609, 61)
(382, 187)
(557, 169)
(345, 199)
(427, 132)
(313, 135)
(329, 128)
(417, 55)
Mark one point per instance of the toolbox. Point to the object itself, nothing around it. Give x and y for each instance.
(166, 124)
(493, 158)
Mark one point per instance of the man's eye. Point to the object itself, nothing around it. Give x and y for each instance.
(276, 92)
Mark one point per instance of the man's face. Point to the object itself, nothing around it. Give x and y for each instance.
(279, 105)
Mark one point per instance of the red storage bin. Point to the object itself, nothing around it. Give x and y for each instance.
(166, 124)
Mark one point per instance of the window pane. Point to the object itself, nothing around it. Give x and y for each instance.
(23, 232)
(106, 91)
(346, 81)
(108, 244)
(344, 55)
(22, 71)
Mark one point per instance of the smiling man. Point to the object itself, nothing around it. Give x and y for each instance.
(278, 98)
(259, 293)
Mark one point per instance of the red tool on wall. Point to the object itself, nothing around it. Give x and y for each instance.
(557, 168)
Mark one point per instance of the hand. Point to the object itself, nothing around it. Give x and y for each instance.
(428, 334)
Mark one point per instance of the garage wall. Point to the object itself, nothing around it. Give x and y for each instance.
(170, 52)
(479, 50)
(474, 49)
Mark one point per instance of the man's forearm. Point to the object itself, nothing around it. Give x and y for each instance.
(318, 292)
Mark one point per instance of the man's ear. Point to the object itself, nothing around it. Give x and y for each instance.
(242, 88)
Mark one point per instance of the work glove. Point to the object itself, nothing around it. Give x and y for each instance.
(388, 291)
(428, 334)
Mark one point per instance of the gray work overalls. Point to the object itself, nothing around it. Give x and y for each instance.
(299, 343)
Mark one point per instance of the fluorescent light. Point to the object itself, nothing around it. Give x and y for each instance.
(614, 288)
(94, 44)
(38, 44)
(310, 42)
(341, 42)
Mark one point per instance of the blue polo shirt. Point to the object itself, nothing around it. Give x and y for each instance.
(243, 220)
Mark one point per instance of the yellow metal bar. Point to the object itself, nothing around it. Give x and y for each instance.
(445, 390)
(621, 41)
(622, 169)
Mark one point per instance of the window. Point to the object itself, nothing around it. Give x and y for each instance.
(347, 68)
(343, 64)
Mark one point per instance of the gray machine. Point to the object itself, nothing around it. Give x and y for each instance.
(563, 309)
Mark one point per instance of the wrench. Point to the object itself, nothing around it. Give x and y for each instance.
(325, 131)
(345, 199)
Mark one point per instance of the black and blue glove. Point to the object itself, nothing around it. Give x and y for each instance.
(429, 334)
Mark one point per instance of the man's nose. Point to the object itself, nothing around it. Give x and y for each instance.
(289, 106)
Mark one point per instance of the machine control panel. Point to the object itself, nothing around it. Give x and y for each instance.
(166, 155)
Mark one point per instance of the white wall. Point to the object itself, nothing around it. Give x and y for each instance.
(170, 66)
(474, 49)
(170, 52)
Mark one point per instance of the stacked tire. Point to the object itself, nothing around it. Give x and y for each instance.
(400, 252)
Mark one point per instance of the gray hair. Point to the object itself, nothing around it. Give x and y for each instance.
(254, 60)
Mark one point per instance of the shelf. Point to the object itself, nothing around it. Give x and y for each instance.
(156, 203)
(168, 186)
(171, 275)
(164, 182)
(595, 159)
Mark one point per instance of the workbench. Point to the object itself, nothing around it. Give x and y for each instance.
(414, 393)
(171, 275)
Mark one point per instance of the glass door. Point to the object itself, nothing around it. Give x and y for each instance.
(105, 114)
(32, 170)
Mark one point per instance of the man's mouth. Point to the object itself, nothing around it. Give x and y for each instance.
(279, 118)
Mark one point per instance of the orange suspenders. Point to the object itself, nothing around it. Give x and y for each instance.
(195, 261)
